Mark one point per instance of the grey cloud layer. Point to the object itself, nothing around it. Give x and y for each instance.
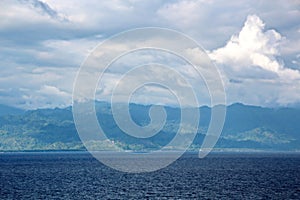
(42, 44)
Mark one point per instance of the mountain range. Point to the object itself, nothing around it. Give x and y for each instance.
(246, 128)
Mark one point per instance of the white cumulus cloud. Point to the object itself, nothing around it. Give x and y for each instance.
(250, 58)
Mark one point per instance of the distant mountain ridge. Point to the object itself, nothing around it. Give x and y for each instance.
(9, 110)
(245, 128)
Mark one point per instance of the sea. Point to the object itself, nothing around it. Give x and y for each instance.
(78, 175)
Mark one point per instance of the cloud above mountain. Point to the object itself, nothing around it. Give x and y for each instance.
(255, 44)
(251, 59)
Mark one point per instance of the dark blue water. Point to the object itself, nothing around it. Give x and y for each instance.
(218, 176)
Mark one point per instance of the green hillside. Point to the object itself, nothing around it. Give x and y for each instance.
(246, 128)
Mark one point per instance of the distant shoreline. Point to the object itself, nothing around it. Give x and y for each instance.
(227, 151)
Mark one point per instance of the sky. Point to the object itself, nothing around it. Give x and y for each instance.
(254, 44)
